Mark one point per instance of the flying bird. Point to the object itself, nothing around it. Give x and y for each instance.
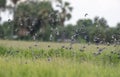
(86, 14)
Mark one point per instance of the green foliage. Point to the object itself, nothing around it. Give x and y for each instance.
(2, 3)
(34, 17)
(3, 50)
(87, 22)
(118, 26)
(7, 29)
(1, 32)
(40, 15)
(33, 9)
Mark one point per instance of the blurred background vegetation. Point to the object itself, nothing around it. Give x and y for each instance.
(38, 20)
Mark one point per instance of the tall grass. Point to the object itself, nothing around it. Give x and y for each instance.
(21, 67)
(57, 62)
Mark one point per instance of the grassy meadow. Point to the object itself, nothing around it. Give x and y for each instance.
(49, 59)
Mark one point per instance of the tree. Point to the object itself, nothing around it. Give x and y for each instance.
(85, 22)
(36, 16)
(66, 9)
(33, 16)
(118, 25)
(2, 3)
(100, 22)
(96, 19)
(103, 22)
(6, 30)
(2, 7)
(1, 32)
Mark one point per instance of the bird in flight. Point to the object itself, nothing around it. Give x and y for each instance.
(86, 14)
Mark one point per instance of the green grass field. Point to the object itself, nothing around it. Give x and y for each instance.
(47, 59)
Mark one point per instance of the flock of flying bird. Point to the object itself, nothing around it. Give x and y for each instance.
(73, 38)
(82, 49)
